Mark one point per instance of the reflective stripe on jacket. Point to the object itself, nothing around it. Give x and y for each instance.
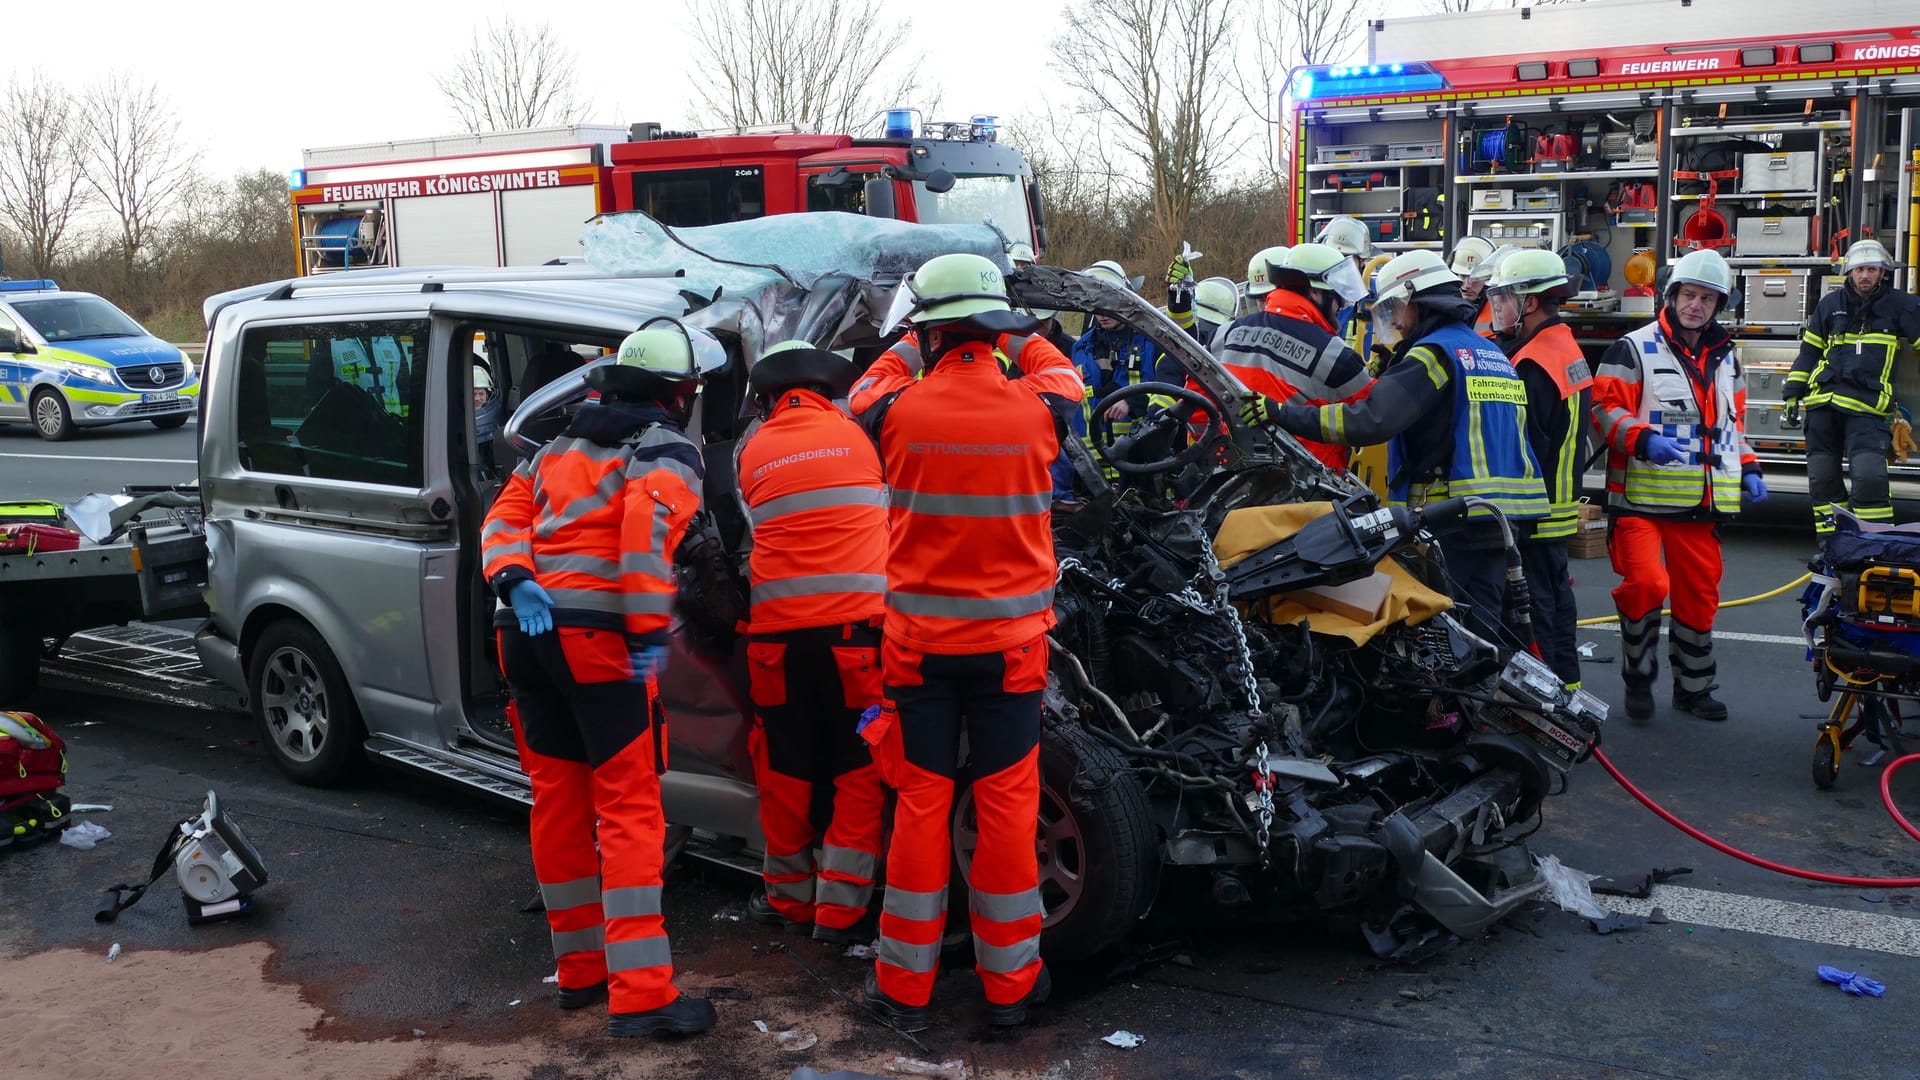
(596, 524)
(818, 504)
(1644, 387)
(1556, 420)
(970, 564)
(1489, 455)
(1290, 353)
(1029, 357)
(1848, 348)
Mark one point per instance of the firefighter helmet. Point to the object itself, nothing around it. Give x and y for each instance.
(801, 363)
(1215, 299)
(1259, 272)
(1705, 268)
(662, 358)
(963, 288)
(1322, 267)
(1346, 235)
(1468, 254)
(1020, 253)
(1528, 271)
(1866, 253)
(1410, 276)
(1115, 275)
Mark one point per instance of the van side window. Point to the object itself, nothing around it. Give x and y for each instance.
(336, 401)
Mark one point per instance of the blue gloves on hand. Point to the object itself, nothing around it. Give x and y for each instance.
(1755, 487)
(1664, 451)
(533, 606)
(1852, 983)
(649, 662)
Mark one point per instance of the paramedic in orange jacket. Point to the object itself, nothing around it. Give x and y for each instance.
(818, 503)
(970, 572)
(580, 543)
(1670, 400)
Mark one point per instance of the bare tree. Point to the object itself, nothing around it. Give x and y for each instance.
(42, 181)
(1144, 67)
(135, 160)
(826, 65)
(514, 75)
(1285, 34)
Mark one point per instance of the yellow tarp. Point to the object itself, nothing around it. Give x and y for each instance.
(1250, 529)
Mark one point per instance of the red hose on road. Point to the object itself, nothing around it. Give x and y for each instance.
(1886, 796)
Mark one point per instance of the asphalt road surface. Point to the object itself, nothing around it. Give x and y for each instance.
(96, 459)
(391, 938)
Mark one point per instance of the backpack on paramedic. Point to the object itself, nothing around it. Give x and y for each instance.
(33, 768)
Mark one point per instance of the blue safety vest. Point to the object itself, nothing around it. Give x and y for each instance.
(1489, 455)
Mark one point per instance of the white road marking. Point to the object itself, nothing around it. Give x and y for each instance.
(1844, 927)
(115, 460)
(1724, 635)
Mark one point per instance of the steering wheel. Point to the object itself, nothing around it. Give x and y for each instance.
(1187, 403)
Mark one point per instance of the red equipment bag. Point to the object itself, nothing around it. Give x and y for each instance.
(29, 538)
(33, 760)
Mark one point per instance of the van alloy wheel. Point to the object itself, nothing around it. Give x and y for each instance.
(51, 418)
(294, 699)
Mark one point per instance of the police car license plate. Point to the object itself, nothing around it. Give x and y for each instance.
(165, 396)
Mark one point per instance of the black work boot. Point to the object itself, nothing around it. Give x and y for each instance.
(859, 933)
(683, 1016)
(898, 1015)
(761, 910)
(1703, 704)
(1016, 1013)
(1639, 702)
(581, 997)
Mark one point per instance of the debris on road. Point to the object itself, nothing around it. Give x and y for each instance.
(946, 1070)
(1570, 890)
(790, 1040)
(419, 1033)
(861, 952)
(728, 993)
(553, 978)
(514, 1002)
(113, 952)
(90, 807)
(1124, 1039)
(83, 835)
(1638, 886)
(1852, 982)
(1658, 916)
(727, 915)
(1616, 922)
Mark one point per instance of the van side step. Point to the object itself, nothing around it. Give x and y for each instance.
(474, 778)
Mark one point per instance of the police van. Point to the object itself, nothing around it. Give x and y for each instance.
(70, 360)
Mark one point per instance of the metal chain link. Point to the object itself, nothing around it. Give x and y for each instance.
(1262, 795)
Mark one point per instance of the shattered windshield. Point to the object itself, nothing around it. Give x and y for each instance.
(745, 256)
(1000, 199)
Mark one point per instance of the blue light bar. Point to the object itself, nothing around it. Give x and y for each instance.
(1367, 80)
(30, 285)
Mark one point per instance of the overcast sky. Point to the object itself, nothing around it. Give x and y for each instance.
(257, 82)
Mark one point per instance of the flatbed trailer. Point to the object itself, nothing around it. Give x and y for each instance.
(157, 571)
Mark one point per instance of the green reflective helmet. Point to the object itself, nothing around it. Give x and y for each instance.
(1020, 253)
(1216, 299)
(1409, 275)
(1346, 235)
(961, 288)
(662, 358)
(1322, 267)
(1259, 272)
(1529, 271)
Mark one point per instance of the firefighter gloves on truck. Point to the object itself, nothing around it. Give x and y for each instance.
(532, 606)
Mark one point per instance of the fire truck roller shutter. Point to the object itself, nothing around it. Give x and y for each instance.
(445, 230)
(544, 223)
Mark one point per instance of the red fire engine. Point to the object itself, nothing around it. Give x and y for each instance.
(516, 198)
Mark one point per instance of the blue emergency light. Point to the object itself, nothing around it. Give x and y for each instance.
(30, 285)
(1362, 80)
(985, 128)
(899, 124)
(296, 179)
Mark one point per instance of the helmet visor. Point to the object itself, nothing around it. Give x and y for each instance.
(1384, 314)
(1506, 305)
(1345, 282)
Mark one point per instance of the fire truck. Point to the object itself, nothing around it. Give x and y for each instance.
(1625, 133)
(519, 198)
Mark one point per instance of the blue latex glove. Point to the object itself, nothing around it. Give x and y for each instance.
(649, 662)
(533, 606)
(1755, 487)
(1855, 984)
(1664, 451)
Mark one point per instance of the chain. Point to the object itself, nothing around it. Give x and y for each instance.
(1262, 795)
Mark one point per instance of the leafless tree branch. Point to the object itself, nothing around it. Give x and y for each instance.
(515, 75)
(135, 161)
(825, 65)
(42, 180)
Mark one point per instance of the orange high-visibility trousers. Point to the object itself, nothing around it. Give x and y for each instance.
(816, 777)
(996, 696)
(1655, 558)
(592, 739)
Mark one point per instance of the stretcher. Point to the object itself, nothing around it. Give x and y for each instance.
(1862, 622)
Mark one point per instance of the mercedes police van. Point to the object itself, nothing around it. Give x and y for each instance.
(70, 360)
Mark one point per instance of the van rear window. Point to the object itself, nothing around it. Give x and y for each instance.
(336, 401)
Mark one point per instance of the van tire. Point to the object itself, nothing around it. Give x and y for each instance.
(304, 706)
(51, 417)
(168, 423)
